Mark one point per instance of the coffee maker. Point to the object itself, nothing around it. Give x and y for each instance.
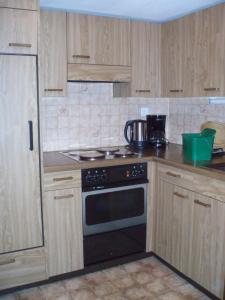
(156, 125)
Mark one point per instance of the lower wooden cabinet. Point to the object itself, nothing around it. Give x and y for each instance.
(190, 233)
(22, 267)
(63, 230)
(207, 256)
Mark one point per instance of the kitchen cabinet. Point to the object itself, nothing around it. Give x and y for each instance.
(145, 61)
(190, 227)
(21, 4)
(20, 199)
(98, 40)
(63, 222)
(53, 55)
(178, 57)
(209, 52)
(23, 267)
(207, 247)
(18, 31)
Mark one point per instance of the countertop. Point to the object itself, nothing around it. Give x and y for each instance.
(171, 155)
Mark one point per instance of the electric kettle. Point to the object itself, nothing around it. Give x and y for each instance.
(135, 133)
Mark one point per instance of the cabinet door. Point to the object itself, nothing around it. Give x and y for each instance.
(98, 40)
(22, 4)
(53, 56)
(207, 251)
(182, 208)
(146, 40)
(63, 225)
(172, 59)
(20, 203)
(209, 52)
(18, 31)
(164, 204)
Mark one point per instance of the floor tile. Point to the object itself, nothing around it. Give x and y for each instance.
(146, 279)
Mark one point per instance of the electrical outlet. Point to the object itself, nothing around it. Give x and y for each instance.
(144, 111)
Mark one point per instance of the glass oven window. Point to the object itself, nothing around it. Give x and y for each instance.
(116, 205)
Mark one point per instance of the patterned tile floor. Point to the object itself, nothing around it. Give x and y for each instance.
(145, 279)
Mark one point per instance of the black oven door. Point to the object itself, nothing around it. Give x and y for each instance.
(113, 209)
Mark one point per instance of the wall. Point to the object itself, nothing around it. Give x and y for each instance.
(187, 115)
(91, 117)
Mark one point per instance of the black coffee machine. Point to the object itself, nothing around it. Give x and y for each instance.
(156, 125)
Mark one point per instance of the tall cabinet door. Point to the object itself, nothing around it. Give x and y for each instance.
(207, 247)
(20, 203)
(146, 49)
(53, 56)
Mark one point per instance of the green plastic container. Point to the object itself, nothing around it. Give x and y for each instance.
(198, 146)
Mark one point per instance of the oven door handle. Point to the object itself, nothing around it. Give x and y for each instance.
(100, 190)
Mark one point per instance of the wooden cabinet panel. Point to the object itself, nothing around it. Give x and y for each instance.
(22, 268)
(62, 180)
(209, 52)
(53, 55)
(164, 204)
(207, 251)
(18, 31)
(98, 40)
(182, 208)
(63, 230)
(146, 48)
(178, 57)
(22, 4)
(20, 201)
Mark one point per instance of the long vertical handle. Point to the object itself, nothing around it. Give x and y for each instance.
(30, 124)
(128, 124)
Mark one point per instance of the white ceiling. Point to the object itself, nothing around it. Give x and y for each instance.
(153, 10)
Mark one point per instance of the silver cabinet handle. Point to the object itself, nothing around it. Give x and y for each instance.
(202, 203)
(7, 262)
(176, 91)
(20, 45)
(173, 174)
(53, 90)
(81, 56)
(64, 197)
(211, 89)
(180, 195)
(143, 91)
(63, 178)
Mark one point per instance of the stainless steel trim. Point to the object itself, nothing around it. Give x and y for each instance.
(118, 224)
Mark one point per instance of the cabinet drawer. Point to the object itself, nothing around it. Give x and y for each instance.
(62, 180)
(22, 268)
(198, 183)
(18, 32)
(21, 4)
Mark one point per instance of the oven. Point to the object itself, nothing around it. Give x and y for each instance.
(114, 212)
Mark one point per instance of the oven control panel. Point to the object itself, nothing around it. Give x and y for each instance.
(114, 175)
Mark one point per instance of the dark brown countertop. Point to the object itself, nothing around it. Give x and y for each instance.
(172, 155)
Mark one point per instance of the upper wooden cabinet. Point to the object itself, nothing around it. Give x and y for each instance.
(21, 4)
(53, 56)
(18, 31)
(193, 54)
(209, 59)
(146, 60)
(178, 57)
(98, 40)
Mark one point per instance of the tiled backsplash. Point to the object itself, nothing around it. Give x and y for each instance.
(90, 116)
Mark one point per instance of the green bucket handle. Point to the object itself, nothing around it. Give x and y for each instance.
(208, 132)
